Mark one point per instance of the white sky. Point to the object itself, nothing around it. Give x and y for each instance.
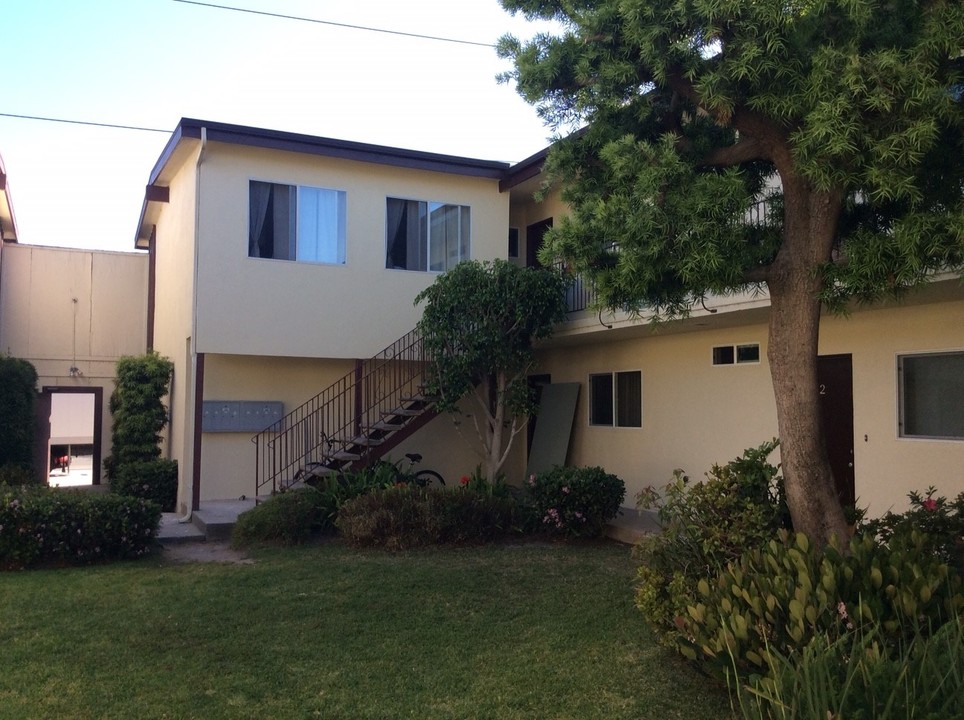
(148, 63)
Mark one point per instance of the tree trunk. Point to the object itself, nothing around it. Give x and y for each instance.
(794, 282)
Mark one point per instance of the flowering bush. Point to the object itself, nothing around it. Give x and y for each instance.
(151, 480)
(939, 520)
(575, 501)
(39, 525)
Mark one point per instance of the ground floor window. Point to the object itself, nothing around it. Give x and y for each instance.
(932, 395)
(736, 354)
(616, 399)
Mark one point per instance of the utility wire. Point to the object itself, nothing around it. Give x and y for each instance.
(335, 24)
(84, 122)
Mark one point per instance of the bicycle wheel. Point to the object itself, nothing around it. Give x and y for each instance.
(429, 478)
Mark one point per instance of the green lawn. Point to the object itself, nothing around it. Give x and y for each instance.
(325, 631)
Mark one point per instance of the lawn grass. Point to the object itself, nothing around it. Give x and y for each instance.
(502, 632)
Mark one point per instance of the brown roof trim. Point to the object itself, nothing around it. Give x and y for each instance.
(328, 147)
(523, 170)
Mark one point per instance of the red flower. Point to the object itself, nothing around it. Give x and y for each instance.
(930, 504)
(464, 480)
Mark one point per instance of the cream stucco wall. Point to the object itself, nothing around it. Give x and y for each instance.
(696, 414)
(174, 311)
(281, 308)
(64, 308)
(228, 459)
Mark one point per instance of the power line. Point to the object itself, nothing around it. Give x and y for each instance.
(84, 122)
(336, 24)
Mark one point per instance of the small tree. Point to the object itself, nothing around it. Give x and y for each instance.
(18, 391)
(478, 327)
(137, 411)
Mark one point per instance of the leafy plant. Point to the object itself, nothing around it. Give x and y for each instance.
(137, 410)
(42, 525)
(148, 479)
(777, 597)
(704, 526)
(478, 327)
(940, 521)
(577, 502)
(402, 517)
(857, 676)
(18, 391)
(288, 518)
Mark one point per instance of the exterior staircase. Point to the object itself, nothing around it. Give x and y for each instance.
(350, 424)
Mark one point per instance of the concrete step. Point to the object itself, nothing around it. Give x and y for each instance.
(212, 521)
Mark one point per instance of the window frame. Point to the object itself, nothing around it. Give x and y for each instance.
(902, 398)
(428, 251)
(613, 404)
(735, 348)
(296, 220)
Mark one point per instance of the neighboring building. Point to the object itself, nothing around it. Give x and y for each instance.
(72, 314)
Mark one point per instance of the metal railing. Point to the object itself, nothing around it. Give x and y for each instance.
(344, 424)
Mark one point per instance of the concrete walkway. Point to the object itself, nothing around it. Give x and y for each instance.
(212, 521)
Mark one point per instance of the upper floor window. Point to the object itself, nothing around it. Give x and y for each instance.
(932, 395)
(736, 354)
(289, 222)
(426, 235)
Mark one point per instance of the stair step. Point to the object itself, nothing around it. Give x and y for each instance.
(385, 426)
(365, 441)
(344, 456)
(402, 412)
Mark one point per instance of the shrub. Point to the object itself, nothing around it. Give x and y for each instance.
(777, 597)
(18, 391)
(854, 677)
(42, 525)
(941, 523)
(398, 518)
(288, 518)
(705, 525)
(16, 474)
(577, 502)
(137, 411)
(151, 480)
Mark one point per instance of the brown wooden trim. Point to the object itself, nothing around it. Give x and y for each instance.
(198, 417)
(151, 286)
(157, 193)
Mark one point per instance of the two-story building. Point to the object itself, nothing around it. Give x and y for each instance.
(277, 264)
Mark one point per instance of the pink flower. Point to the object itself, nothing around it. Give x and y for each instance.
(930, 504)
(532, 480)
(464, 480)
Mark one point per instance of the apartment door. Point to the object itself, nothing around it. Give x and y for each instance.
(534, 235)
(836, 388)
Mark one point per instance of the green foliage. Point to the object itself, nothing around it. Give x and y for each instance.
(288, 518)
(704, 526)
(478, 327)
(17, 474)
(150, 479)
(939, 521)
(577, 502)
(137, 411)
(686, 109)
(41, 525)
(854, 676)
(18, 391)
(776, 598)
(398, 518)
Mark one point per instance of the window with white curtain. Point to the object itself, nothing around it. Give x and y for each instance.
(423, 235)
(289, 222)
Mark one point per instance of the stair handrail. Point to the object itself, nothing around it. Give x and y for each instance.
(330, 423)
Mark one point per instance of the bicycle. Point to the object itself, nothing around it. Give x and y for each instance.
(382, 473)
(409, 475)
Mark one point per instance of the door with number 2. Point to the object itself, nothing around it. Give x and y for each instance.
(835, 378)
